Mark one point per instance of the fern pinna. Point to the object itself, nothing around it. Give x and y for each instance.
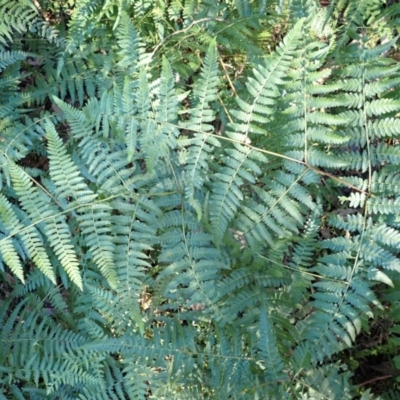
(156, 255)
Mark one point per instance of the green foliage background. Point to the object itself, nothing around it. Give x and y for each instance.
(199, 199)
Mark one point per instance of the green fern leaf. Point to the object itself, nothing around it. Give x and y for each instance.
(31, 239)
(201, 143)
(42, 212)
(271, 360)
(94, 217)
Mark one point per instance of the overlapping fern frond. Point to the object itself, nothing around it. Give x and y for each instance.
(160, 251)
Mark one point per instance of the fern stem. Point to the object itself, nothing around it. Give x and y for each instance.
(227, 77)
(316, 170)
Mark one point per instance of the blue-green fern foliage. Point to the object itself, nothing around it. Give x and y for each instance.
(169, 230)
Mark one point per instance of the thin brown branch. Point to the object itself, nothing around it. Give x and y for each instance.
(377, 378)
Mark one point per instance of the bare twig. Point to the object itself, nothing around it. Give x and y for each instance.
(377, 378)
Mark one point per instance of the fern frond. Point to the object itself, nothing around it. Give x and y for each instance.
(8, 58)
(42, 212)
(108, 166)
(94, 216)
(80, 24)
(64, 173)
(131, 49)
(41, 348)
(188, 253)
(200, 143)
(159, 125)
(79, 123)
(11, 257)
(241, 162)
(264, 87)
(355, 14)
(33, 242)
(226, 188)
(276, 208)
(271, 360)
(320, 383)
(16, 17)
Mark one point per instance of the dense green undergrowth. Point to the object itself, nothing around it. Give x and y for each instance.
(199, 199)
